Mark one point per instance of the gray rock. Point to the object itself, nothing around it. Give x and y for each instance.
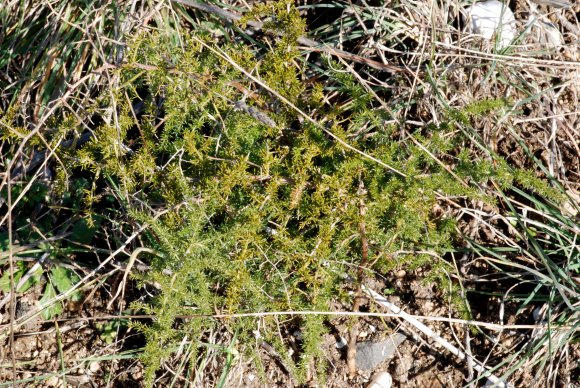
(370, 354)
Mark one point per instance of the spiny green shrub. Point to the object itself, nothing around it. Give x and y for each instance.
(263, 208)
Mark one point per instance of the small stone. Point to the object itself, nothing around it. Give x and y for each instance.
(94, 367)
(492, 18)
(400, 274)
(371, 354)
(381, 380)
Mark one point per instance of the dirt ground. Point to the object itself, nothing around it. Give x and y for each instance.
(77, 347)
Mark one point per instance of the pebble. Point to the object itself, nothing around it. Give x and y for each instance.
(381, 380)
(490, 18)
(94, 367)
(370, 354)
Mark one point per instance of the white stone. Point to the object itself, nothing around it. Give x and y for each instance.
(381, 380)
(492, 18)
(94, 367)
